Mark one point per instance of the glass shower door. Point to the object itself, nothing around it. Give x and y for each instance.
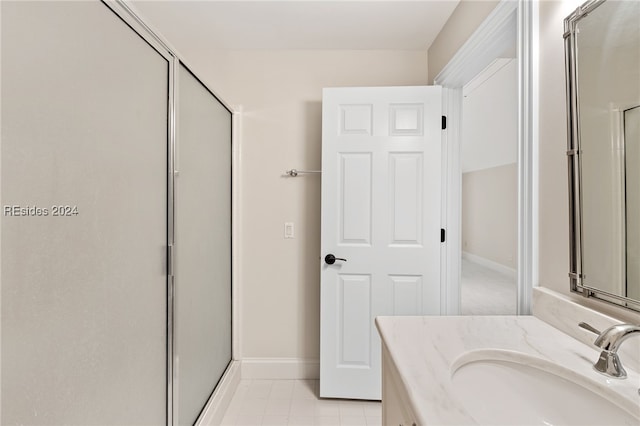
(84, 223)
(202, 306)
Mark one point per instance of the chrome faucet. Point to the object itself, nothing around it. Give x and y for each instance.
(609, 341)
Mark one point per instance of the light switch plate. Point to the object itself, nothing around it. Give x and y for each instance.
(289, 230)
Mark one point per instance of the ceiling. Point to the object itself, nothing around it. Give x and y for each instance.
(302, 24)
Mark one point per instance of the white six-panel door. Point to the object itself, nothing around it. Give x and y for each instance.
(381, 195)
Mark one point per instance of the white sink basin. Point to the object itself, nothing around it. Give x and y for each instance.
(499, 387)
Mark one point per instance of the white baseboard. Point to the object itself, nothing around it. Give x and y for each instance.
(217, 405)
(280, 368)
(489, 264)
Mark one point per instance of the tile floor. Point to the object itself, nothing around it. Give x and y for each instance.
(486, 291)
(295, 402)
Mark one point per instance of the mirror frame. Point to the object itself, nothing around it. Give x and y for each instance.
(574, 165)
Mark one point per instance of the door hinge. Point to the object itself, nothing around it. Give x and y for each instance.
(444, 122)
(442, 235)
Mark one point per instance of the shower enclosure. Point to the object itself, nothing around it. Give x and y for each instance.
(115, 250)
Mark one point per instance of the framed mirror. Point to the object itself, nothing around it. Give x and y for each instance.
(602, 57)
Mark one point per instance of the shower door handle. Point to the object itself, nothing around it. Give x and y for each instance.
(331, 259)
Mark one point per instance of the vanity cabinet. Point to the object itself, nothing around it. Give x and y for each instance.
(395, 410)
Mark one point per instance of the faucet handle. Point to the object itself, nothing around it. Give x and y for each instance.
(590, 328)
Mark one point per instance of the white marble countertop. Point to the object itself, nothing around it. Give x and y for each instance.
(423, 350)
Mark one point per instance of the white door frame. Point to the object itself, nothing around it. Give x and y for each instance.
(509, 18)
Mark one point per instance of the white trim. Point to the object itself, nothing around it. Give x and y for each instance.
(280, 368)
(216, 407)
(486, 43)
(495, 266)
(527, 155)
(444, 154)
(452, 203)
(489, 41)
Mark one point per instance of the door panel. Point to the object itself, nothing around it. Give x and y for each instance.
(405, 198)
(407, 294)
(381, 195)
(354, 203)
(84, 124)
(354, 292)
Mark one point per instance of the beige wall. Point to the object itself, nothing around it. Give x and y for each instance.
(464, 20)
(490, 214)
(553, 221)
(554, 210)
(281, 93)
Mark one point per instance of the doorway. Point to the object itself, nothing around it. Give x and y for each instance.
(489, 156)
(509, 22)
